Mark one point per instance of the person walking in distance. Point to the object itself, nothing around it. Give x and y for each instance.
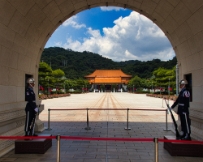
(31, 108)
(183, 102)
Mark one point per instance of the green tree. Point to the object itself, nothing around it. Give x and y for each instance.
(76, 84)
(45, 74)
(165, 77)
(135, 82)
(146, 83)
(58, 78)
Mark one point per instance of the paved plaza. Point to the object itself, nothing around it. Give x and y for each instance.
(109, 120)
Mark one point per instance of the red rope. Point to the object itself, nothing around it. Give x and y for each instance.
(107, 139)
(108, 109)
(27, 137)
(67, 109)
(100, 139)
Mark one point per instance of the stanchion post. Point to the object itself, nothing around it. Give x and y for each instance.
(49, 120)
(127, 128)
(58, 148)
(156, 150)
(166, 121)
(87, 128)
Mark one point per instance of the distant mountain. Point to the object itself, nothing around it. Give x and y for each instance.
(78, 64)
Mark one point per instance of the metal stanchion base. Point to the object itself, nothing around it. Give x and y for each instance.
(127, 128)
(88, 128)
(48, 129)
(167, 130)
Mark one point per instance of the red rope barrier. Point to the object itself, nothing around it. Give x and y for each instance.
(99, 139)
(107, 139)
(68, 109)
(109, 109)
(149, 109)
(106, 109)
(27, 137)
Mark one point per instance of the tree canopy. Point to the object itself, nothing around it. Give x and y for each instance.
(78, 64)
(165, 77)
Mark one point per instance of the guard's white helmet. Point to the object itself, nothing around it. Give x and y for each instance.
(30, 80)
(183, 82)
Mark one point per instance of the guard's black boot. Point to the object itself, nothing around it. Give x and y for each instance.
(187, 137)
(27, 133)
(178, 137)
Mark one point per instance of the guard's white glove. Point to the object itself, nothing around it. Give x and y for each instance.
(36, 109)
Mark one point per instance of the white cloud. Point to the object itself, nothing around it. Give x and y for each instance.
(111, 8)
(59, 44)
(73, 23)
(131, 38)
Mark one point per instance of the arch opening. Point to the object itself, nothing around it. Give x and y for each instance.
(25, 27)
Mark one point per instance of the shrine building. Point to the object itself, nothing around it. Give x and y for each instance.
(108, 80)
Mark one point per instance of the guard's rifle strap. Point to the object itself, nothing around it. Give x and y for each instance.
(174, 121)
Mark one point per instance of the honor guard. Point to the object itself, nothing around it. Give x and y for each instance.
(31, 108)
(183, 101)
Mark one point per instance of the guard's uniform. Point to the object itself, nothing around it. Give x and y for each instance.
(183, 101)
(30, 111)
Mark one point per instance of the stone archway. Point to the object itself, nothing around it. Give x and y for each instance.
(25, 27)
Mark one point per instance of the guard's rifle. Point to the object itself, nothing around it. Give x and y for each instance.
(174, 121)
(32, 125)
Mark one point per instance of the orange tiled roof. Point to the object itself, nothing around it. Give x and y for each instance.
(107, 80)
(108, 74)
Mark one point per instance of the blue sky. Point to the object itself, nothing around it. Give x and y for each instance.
(115, 33)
